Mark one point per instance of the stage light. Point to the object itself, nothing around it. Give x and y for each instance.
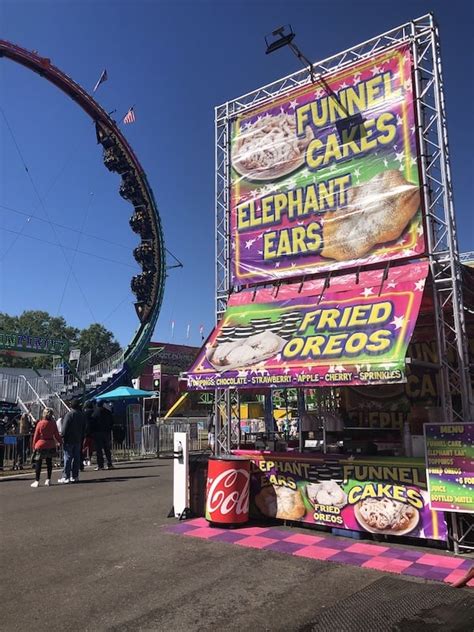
(280, 38)
(284, 36)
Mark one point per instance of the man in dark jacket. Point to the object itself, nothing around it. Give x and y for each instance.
(72, 431)
(102, 422)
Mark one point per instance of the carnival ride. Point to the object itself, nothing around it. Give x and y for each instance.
(148, 286)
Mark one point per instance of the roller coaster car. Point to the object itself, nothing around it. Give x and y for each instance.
(115, 160)
(130, 189)
(142, 310)
(140, 223)
(144, 253)
(142, 286)
(104, 137)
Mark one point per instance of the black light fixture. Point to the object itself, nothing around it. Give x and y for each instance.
(278, 38)
(349, 128)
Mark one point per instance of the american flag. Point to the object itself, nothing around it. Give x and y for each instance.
(103, 77)
(129, 116)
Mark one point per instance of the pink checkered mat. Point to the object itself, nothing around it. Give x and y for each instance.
(383, 557)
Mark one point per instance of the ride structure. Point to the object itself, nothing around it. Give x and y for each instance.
(148, 286)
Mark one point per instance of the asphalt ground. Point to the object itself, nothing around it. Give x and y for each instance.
(95, 556)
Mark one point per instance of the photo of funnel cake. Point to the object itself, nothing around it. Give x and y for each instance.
(269, 148)
(377, 212)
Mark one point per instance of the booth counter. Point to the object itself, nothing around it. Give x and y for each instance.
(385, 496)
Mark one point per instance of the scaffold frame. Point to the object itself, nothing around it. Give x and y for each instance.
(422, 34)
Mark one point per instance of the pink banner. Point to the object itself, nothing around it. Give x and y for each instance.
(353, 329)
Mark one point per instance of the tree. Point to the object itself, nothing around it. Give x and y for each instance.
(95, 338)
(99, 340)
(37, 323)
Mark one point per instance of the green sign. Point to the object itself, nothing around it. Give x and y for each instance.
(24, 345)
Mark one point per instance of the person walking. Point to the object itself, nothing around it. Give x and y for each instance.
(44, 443)
(23, 439)
(72, 430)
(88, 442)
(102, 422)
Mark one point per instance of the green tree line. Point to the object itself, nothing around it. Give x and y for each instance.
(95, 338)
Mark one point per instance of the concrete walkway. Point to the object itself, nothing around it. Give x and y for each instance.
(97, 556)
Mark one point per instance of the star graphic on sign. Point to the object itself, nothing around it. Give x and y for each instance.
(242, 373)
(356, 79)
(396, 75)
(319, 93)
(407, 252)
(367, 291)
(419, 230)
(340, 368)
(398, 322)
(249, 243)
(260, 235)
(391, 284)
(385, 162)
(343, 86)
(286, 370)
(400, 156)
(401, 167)
(375, 70)
(293, 265)
(277, 264)
(407, 86)
(260, 252)
(399, 120)
(412, 129)
(293, 104)
(333, 167)
(412, 161)
(357, 173)
(419, 285)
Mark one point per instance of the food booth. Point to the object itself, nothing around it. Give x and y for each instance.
(333, 294)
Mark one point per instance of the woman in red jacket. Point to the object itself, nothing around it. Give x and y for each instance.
(45, 439)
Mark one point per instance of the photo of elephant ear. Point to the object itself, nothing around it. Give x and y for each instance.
(377, 212)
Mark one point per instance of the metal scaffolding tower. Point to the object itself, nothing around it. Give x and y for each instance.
(455, 392)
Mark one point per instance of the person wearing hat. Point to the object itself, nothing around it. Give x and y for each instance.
(72, 431)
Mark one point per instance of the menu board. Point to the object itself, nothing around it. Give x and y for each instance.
(449, 453)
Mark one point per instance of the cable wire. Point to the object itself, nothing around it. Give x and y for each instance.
(43, 206)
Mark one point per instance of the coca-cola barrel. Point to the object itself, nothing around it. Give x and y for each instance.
(227, 499)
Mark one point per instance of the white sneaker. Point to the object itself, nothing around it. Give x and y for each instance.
(73, 480)
(35, 484)
(63, 480)
(47, 482)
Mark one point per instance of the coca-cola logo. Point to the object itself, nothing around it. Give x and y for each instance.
(219, 498)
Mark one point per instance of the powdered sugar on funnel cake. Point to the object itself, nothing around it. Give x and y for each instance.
(240, 353)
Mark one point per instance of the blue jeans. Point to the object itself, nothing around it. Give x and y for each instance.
(72, 456)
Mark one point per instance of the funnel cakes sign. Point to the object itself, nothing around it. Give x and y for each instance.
(313, 335)
(386, 497)
(307, 194)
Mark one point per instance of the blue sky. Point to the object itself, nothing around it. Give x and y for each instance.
(175, 61)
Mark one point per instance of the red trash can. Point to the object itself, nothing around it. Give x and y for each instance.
(228, 482)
